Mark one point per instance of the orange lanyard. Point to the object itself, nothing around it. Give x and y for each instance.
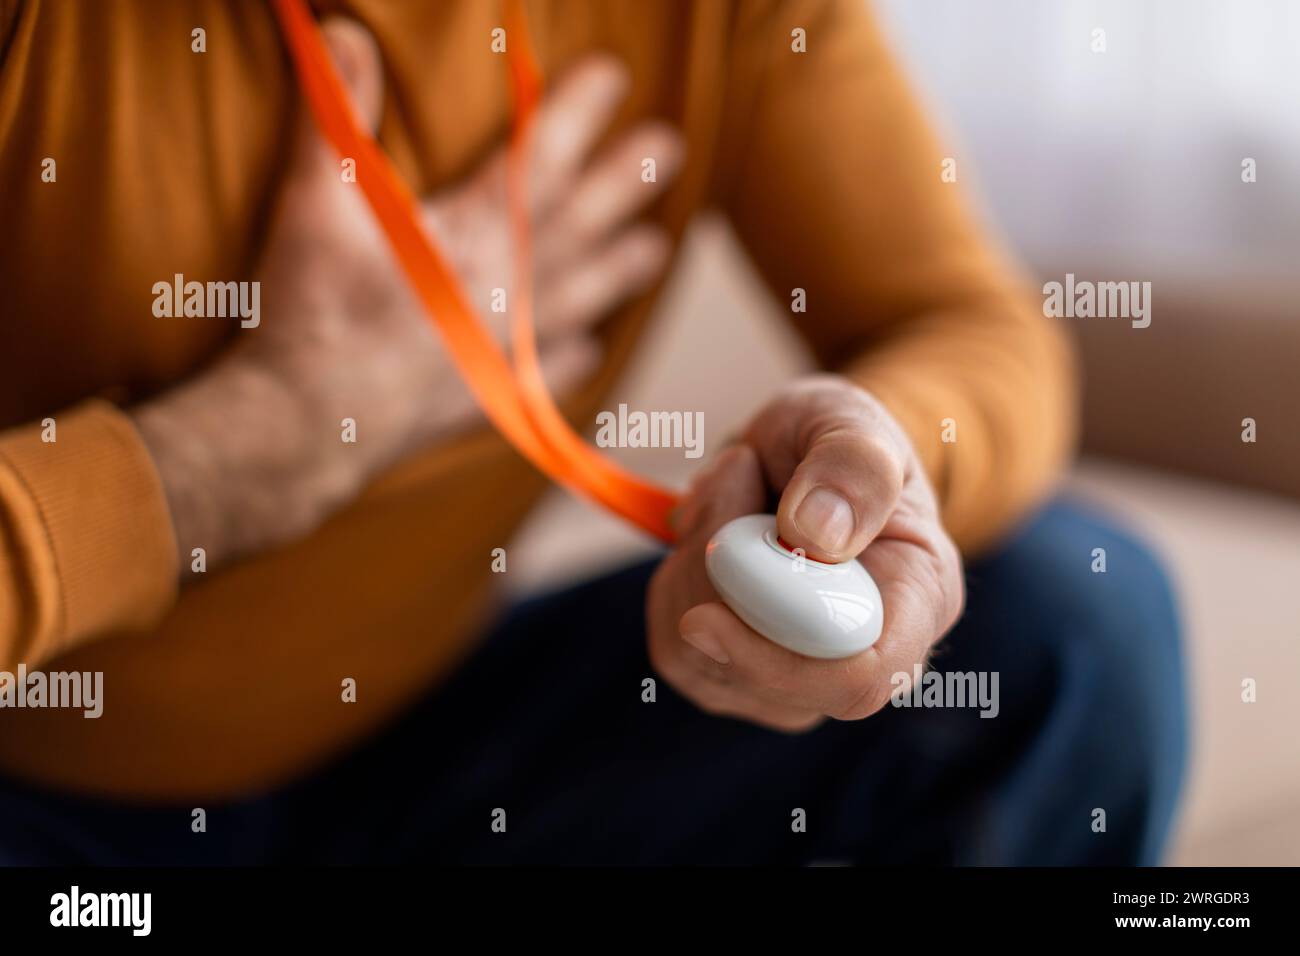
(514, 399)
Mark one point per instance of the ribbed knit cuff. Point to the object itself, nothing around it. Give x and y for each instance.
(87, 530)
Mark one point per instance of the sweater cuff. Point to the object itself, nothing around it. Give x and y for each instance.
(89, 533)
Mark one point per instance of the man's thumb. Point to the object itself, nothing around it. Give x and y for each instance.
(356, 56)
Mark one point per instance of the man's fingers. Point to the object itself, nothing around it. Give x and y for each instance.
(712, 686)
(569, 362)
(582, 294)
(569, 122)
(841, 462)
(356, 57)
(729, 487)
(922, 592)
(920, 606)
(771, 672)
(565, 365)
(841, 494)
(611, 192)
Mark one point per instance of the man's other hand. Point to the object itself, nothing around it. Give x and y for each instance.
(250, 452)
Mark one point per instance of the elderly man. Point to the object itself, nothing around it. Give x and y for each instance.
(294, 628)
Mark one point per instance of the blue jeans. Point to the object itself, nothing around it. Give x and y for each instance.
(547, 722)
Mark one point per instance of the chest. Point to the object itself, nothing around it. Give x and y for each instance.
(138, 148)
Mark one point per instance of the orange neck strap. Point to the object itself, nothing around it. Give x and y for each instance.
(515, 399)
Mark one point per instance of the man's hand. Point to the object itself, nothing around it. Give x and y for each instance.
(250, 452)
(851, 486)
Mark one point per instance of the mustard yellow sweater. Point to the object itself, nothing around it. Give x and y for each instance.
(167, 162)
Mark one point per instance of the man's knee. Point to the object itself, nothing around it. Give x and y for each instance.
(1110, 599)
(1089, 593)
(1095, 610)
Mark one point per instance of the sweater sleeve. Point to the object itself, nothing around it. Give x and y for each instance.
(86, 544)
(833, 182)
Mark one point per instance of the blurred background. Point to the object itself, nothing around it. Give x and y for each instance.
(1120, 165)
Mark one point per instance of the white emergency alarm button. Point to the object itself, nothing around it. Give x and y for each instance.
(810, 607)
